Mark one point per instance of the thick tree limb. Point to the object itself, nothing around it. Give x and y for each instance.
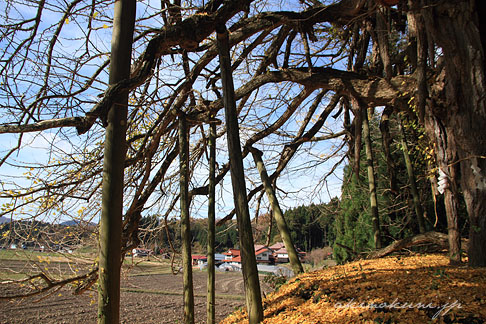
(372, 91)
(436, 238)
(43, 125)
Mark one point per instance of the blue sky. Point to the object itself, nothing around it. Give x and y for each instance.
(300, 181)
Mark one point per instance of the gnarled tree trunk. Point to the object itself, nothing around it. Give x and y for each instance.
(436, 131)
(454, 27)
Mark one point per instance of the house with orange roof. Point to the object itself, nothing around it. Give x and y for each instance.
(231, 254)
(198, 259)
(263, 254)
(281, 254)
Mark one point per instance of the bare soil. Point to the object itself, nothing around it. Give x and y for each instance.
(145, 298)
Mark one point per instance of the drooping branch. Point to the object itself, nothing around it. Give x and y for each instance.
(133, 215)
(187, 34)
(290, 149)
(84, 281)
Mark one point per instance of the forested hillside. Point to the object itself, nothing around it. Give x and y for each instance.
(407, 199)
(311, 227)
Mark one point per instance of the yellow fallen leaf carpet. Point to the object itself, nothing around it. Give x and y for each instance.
(396, 289)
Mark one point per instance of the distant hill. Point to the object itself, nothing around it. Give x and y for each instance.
(76, 223)
(4, 220)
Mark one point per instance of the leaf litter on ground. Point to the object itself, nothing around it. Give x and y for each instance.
(417, 288)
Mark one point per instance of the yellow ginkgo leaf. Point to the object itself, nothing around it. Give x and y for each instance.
(95, 14)
(66, 21)
(105, 26)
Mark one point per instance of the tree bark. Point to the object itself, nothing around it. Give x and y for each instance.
(113, 167)
(277, 213)
(447, 169)
(454, 27)
(249, 266)
(375, 219)
(436, 131)
(211, 226)
(185, 220)
(383, 40)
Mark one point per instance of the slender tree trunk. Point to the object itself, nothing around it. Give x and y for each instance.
(113, 167)
(375, 220)
(386, 142)
(358, 134)
(419, 211)
(211, 226)
(185, 220)
(249, 266)
(277, 213)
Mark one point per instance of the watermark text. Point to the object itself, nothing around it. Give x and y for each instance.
(442, 309)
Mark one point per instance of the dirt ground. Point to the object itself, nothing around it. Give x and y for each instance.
(145, 298)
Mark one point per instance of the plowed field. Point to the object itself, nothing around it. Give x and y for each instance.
(148, 295)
